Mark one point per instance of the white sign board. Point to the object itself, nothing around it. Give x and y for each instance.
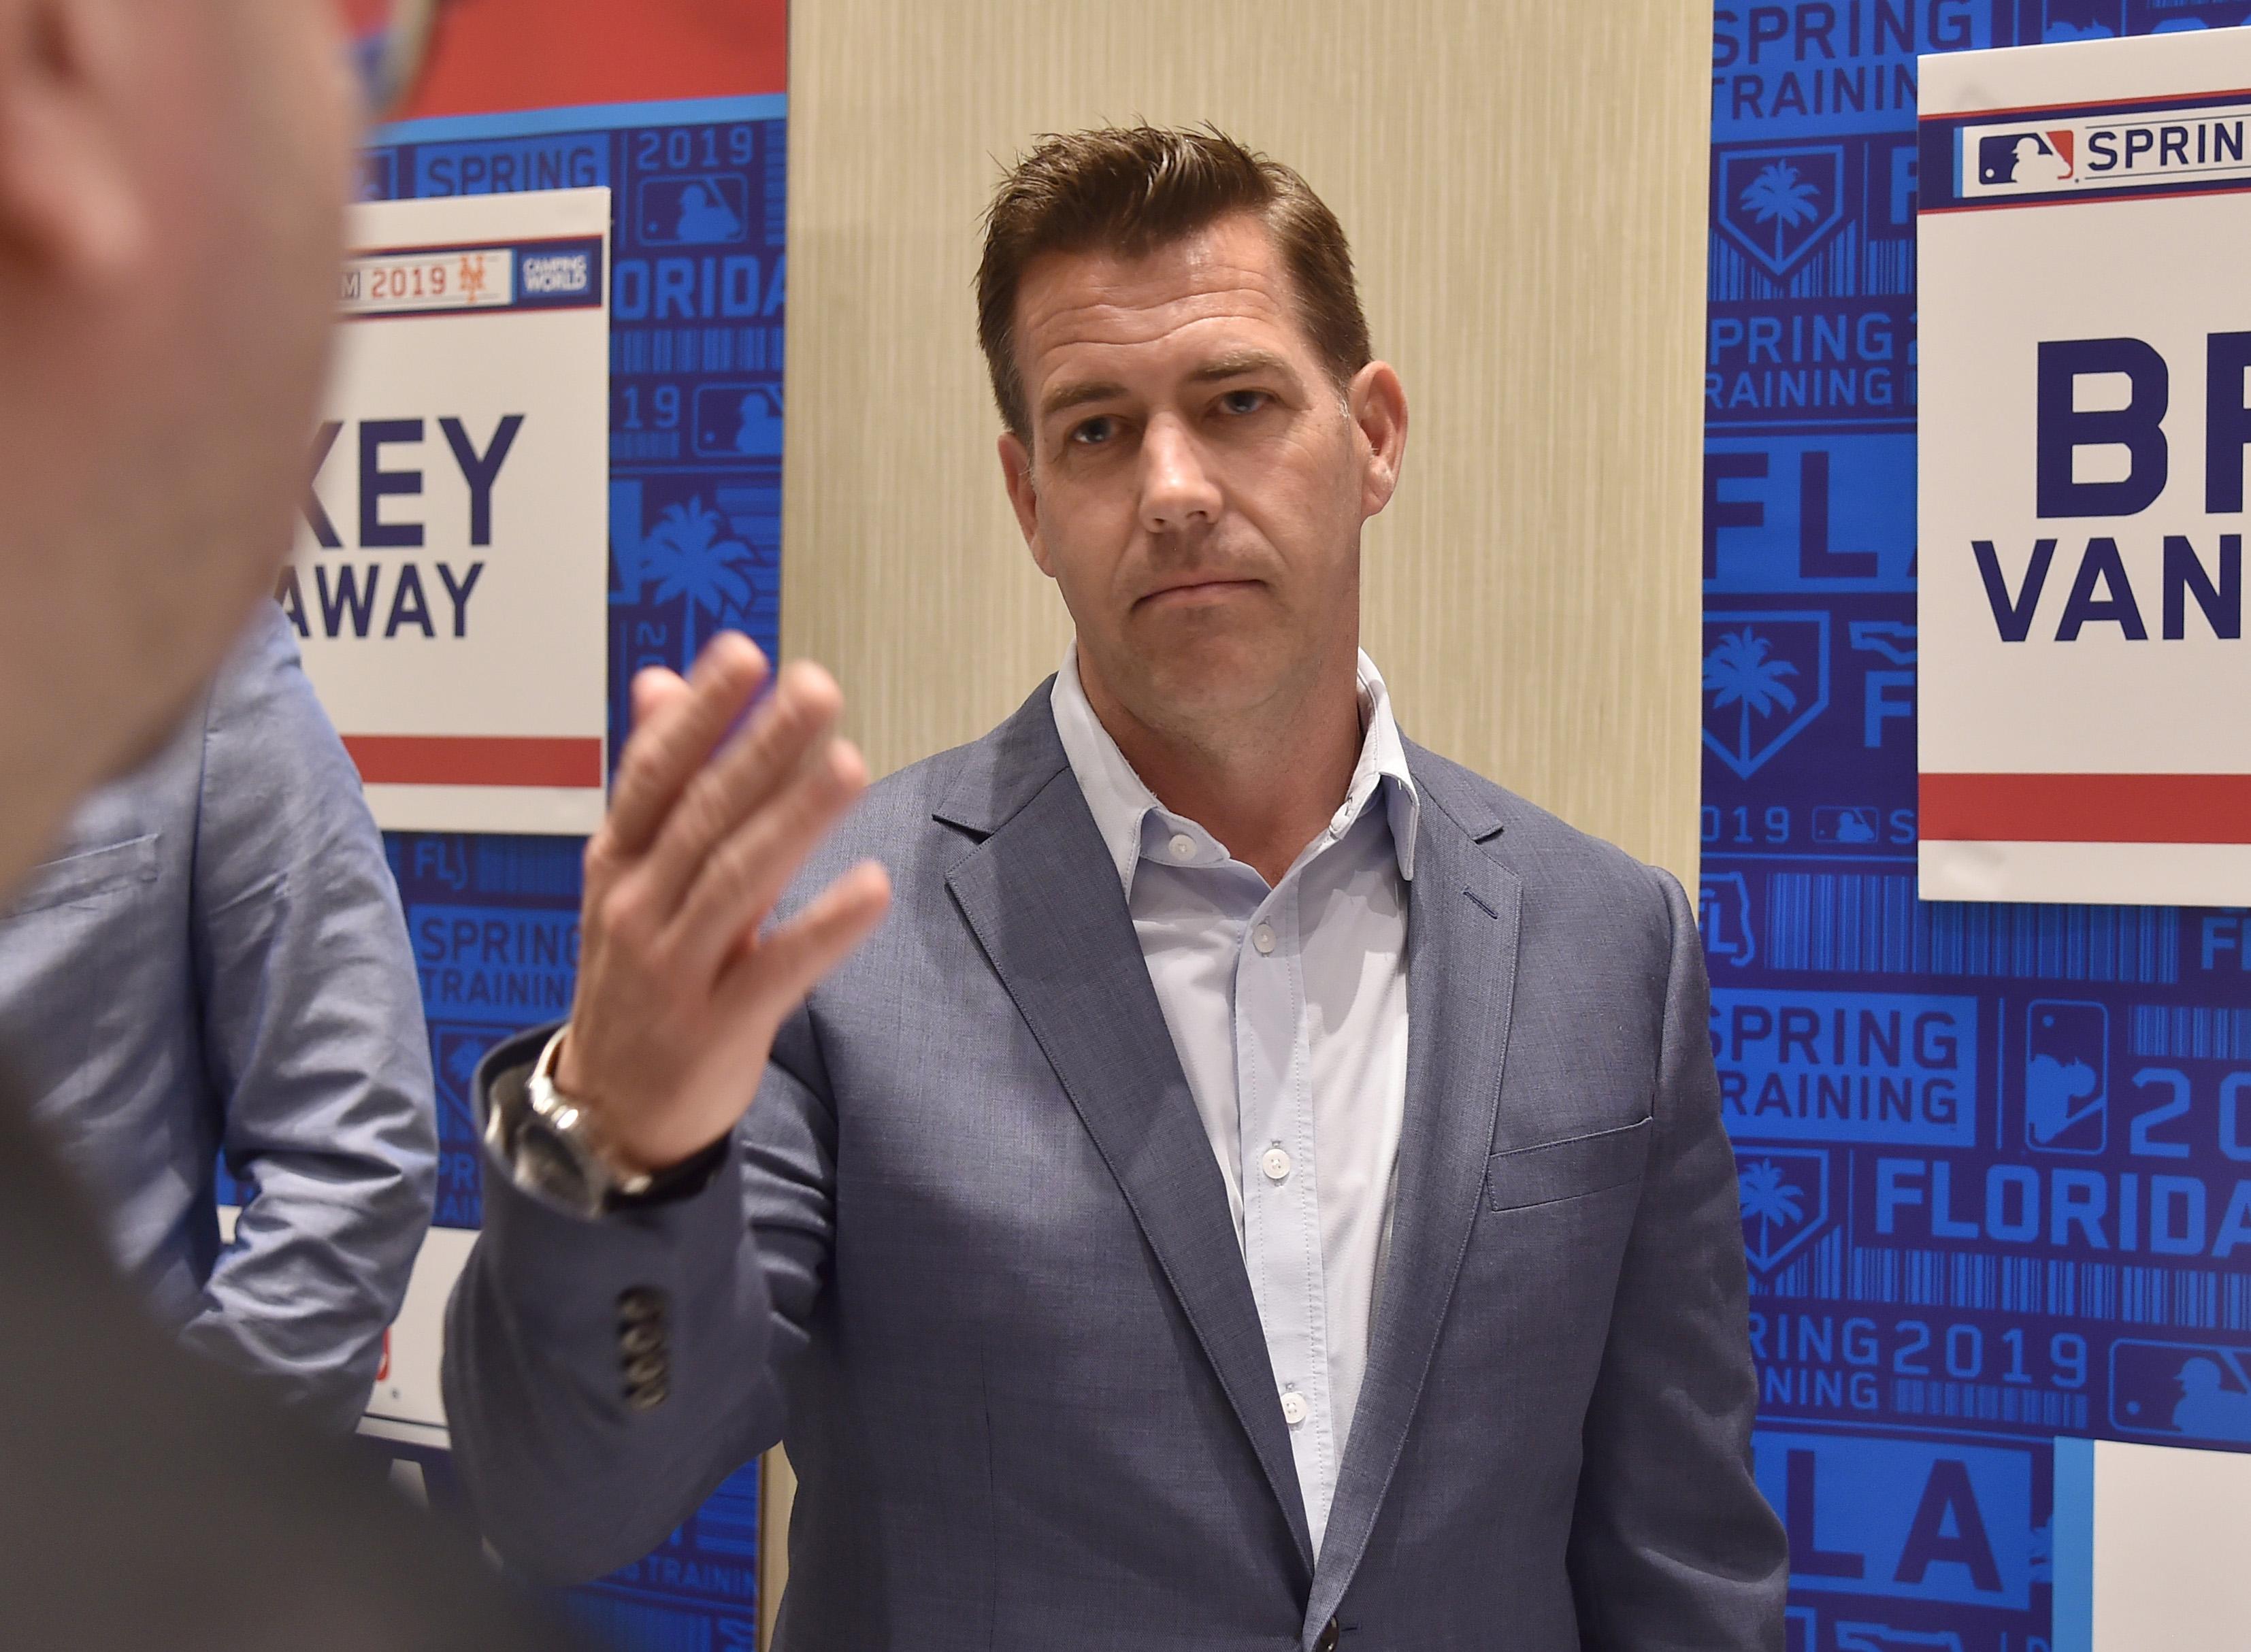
(2085, 329)
(449, 583)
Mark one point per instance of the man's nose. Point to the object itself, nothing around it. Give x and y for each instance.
(1176, 485)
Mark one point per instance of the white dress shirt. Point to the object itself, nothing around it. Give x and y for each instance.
(1288, 1007)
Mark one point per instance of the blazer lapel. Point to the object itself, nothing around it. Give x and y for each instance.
(1462, 921)
(1041, 896)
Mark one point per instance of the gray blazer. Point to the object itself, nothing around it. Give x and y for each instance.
(215, 963)
(970, 1254)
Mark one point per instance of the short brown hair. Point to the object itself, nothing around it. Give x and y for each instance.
(1132, 190)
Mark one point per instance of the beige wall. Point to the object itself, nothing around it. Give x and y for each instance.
(1524, 183)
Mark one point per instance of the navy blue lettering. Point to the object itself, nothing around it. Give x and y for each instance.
(376, 483)
(478, 470)
(2081, 608)
(2062, 429)
(1948, 1501)
(2013, 616)
(2186, 577)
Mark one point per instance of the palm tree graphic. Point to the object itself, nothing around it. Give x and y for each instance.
(689, 558)
(1766, 1199)
(1779, 197)
(1739, 673)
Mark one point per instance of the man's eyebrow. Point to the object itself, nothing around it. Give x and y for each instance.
(1065, 397)
(1232, 364)
(1236, 363)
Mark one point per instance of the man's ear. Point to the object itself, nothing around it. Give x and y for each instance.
(70, 196)
(1016, 475)
(1377, 404)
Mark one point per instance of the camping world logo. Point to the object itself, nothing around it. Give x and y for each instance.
(1766, 677)
(1779, 205)
(1784, 1194)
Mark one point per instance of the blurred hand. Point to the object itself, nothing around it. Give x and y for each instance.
(679, 994)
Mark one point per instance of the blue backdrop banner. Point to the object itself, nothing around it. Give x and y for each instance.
(697, 287)
(1991, 1157)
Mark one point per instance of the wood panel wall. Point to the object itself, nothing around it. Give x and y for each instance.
(1524, 184)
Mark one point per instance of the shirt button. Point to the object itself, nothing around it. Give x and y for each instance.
(1182, 846)
(1294, 1408)
(1275, 1163)
(1263, 938)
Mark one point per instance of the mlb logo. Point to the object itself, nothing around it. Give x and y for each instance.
(2025, 158)
(1783, 1195)
(738, 420)
(710, 209)
(2191, 1391)
(1779, 205)
(1766, 678)
(2067, 1096)
(1845, 825)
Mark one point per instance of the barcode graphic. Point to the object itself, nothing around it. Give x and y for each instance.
(697, 349)
(2162, 1030)
(2199, 1298)
(1870, 923)
(1818, 1273)
(1987, 1402)
(529, 866)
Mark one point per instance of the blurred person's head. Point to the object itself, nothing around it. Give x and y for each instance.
(1194, 429)
(172, 174)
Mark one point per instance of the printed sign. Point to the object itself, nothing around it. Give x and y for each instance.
(2085, 416)
(689, 450)
(448, 588)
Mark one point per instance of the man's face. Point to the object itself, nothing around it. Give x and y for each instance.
(1197, 479)
(165, 371)
(248, 211)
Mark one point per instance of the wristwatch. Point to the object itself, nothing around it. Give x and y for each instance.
(553, 1150)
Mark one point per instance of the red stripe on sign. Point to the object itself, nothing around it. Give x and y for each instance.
(2086, 808)
(474, 760)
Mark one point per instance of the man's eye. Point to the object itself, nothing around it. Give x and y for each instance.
(1094, 432)
(1244, 401)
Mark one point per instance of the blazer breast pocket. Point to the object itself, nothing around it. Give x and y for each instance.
(77, 878)
(1555, 1171)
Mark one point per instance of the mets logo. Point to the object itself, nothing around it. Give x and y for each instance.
(1784, 1194)
(1766, 677)
(1778, 205)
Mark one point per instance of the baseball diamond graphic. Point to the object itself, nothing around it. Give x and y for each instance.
(1783, 1192)
(1778, 205)
(1766, 678)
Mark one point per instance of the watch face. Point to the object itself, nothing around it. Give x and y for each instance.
(546, 1165)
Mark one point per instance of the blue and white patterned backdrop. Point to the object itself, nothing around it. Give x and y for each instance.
(1991, 1156)
(695, 377)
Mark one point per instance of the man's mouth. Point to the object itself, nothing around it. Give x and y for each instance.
(1192, 591)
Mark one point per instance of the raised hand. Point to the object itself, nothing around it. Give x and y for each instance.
(680, 993)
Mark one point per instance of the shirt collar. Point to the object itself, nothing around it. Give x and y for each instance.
(1121, 802)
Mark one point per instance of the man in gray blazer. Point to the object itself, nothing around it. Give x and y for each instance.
(213, 961)
(1263, 1188)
